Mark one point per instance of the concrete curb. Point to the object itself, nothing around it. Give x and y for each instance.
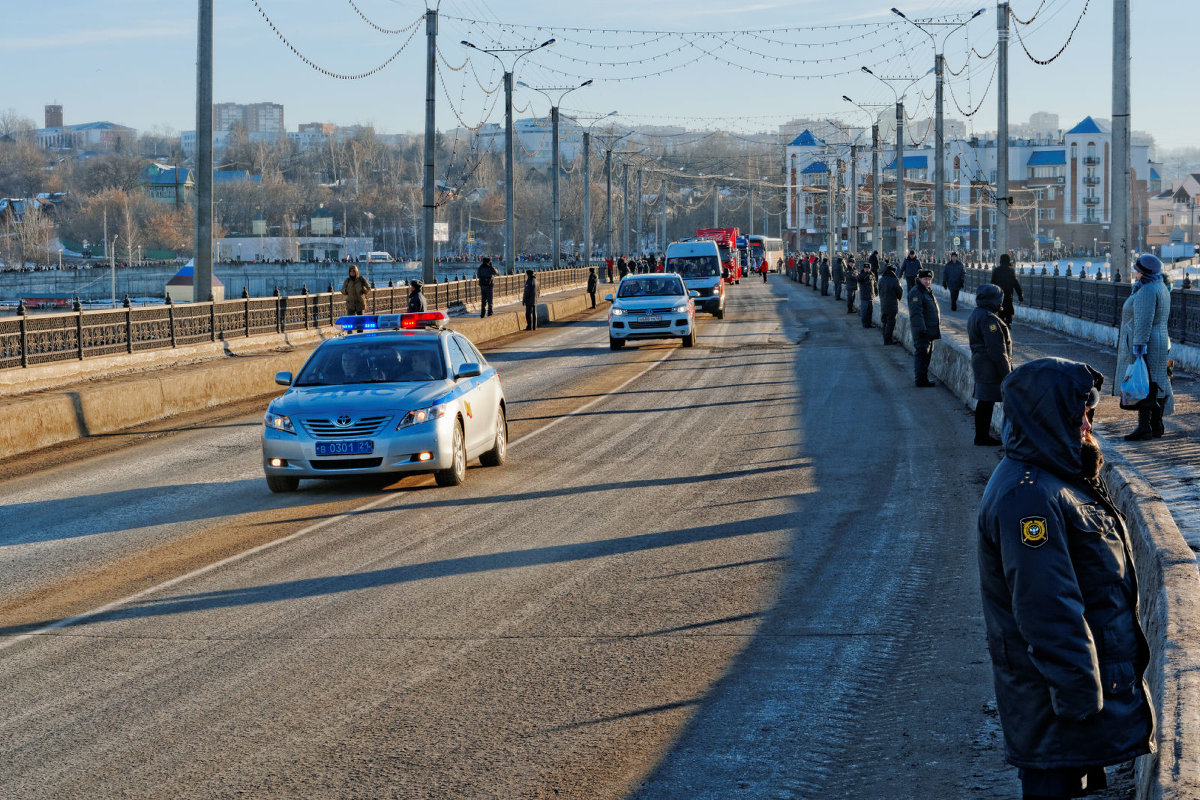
(161, 384)
(1169, 594)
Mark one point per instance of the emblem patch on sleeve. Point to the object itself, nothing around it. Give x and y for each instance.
(992, 327)
(1033, 531)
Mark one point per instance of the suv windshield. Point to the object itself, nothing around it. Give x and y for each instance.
(695, 266)
(651, 287)
(350, 362)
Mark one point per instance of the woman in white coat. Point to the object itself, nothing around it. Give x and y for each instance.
(1144, 332)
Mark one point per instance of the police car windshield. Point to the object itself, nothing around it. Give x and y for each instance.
(695, 266)
(651, 287)
(355, 361)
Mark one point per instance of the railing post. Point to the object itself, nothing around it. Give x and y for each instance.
(280, 305)
(304, 298)
(24, 333)
(170, 320)
(212, 320)
(128, 326)
(79, 327)
(246, 310)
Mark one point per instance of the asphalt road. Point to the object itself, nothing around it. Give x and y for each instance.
(741, 570)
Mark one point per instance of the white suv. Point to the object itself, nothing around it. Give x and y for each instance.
(698, 262)
(654, 306)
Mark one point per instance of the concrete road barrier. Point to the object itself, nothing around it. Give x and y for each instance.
(56, 403)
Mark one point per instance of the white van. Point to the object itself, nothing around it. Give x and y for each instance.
(698, 262)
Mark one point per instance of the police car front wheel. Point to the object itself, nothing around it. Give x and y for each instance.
(281, 484)
(457, 473)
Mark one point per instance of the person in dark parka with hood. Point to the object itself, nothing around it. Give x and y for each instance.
(1060, 598)
(991, 358)
(1005, 277)
(925, 326)
(890, 294)
(954, 277)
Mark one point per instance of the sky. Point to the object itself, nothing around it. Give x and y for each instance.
(701, 64)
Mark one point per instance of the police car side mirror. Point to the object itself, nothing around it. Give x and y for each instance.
(608, 297)
(283, 378)
(468, 370)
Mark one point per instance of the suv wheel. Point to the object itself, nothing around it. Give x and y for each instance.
(615, 344)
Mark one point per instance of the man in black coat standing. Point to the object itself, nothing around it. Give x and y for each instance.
(991, 359)
(924, 322)
(910, 268)
(1005, 277)
(839, 277)
(529, 298)
(890, 295)
(592, 282)
(1060, 596)
(486, 275)
(954, 277)
(825, 276)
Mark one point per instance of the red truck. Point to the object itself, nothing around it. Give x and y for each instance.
(726, 239)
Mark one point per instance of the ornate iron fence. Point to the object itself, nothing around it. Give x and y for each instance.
(1096, 301)
(28, 340)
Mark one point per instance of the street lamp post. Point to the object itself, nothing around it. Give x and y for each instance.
(901, 211)
(587, 188)
(112, 267)
(608, 228)
(563, 91)
(876, 178)
(939, 167)
(510, 256)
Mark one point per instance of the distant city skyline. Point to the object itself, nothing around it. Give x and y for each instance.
(131, 62)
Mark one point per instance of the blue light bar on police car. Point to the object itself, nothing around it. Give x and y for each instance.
(393, 322)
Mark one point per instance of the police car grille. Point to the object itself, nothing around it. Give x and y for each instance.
(357, 429)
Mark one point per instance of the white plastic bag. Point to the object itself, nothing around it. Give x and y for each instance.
(1135, 386)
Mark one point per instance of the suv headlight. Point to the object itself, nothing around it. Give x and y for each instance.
(680, 309)
(421, 415)
(617, 312)
(278, 422)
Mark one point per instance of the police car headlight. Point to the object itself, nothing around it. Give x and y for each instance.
(680, 309)
(279, 422)
(421, 415)
(617, 312)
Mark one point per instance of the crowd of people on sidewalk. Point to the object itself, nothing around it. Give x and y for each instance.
(1056, 568)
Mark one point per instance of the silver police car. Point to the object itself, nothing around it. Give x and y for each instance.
(398, 393)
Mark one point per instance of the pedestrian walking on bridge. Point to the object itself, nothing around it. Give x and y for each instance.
(954, 277)
(1060, 595)
(592, 282)
(1005, 277)
(852, 284)
(866, 295)
(529, 298)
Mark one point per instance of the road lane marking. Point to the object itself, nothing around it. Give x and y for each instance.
(104, 609)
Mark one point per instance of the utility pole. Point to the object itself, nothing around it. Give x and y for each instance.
(1119, 231)
(510, 199)
(428, 201)
(831, 172)
(202, 269)
(901, 210)
(1002, 199)
(853, 198)
(1037, 250)
(608, 220)
(939, 168)
(664, 217)
(876, 193)
(510, 234)
(555, 158)
(587, 198)
(625, 208)
(640, 246)
(716, 202)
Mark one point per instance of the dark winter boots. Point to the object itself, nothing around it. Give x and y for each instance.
(1143, 431)
(983, 425)
(1156, 415)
